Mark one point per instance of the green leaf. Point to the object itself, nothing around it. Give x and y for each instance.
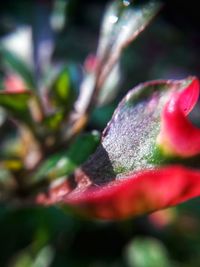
(17, 65)
(53, 121)
(16, 103)
(65, 162)
(27, 258)
(110, 87)
(63, 89)
(147, 253)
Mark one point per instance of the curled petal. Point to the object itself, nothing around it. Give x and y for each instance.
(178, 136)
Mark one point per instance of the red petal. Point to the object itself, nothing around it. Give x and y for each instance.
(137, 194)
(178, 135)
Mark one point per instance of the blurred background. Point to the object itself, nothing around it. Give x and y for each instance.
(67, 31)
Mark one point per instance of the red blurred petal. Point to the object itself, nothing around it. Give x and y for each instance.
(137, 194)
(90, 63)
(178, 135)
(162, 218)
(14, 84)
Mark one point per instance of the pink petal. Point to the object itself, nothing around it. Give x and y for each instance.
(14, 84)
(91, 63)
(178, 135)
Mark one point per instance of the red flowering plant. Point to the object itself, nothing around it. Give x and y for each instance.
(148, 155)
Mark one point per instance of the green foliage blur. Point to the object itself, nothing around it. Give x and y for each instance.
(52, 237)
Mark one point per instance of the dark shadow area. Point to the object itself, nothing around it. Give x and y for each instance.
(99, 167)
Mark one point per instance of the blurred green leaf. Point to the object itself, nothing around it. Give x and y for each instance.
(2, 116)
(63, 89)
(26, 259)
(11, 146)
(122, 23)
(110, 87)
(7, 182)
(17, 65)
(22, 260)
(16, 103)
(132, 21)
(53, 121)
(143, 252)
(44, 257)
(66, 162)
(58, 16)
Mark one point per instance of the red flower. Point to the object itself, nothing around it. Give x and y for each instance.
(178, 135)
(148, 159)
